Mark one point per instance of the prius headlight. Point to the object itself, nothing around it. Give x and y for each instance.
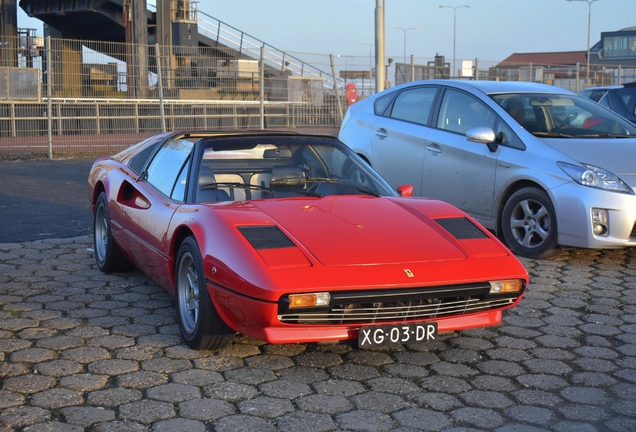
(596, 177)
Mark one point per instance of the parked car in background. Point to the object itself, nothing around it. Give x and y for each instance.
(293, 238)
(595, 93)
(538, 165)
(621, 100)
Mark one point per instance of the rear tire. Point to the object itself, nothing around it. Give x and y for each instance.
(108, 256)
(201, 326)
(528, 223)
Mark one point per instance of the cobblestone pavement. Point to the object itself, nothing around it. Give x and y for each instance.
(84, 351)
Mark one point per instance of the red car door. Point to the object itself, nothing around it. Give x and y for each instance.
(150, 205)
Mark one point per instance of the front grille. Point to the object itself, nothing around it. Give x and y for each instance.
(403, 305)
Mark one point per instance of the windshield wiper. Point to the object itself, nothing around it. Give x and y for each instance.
(345, 183)
(309, 194)
(552, 134)
(598, 135)
(605, 135)
(216, 185)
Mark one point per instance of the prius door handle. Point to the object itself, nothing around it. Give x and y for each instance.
(434, 148)
(381, 133)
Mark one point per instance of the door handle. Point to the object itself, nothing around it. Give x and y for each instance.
(381, 133)
(434, 148)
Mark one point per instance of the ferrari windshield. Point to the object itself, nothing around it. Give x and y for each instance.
(563, 116)
(260, 167)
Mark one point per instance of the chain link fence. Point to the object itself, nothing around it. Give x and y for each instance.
(68, 96)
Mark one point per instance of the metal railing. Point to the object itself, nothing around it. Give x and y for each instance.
(66, 126)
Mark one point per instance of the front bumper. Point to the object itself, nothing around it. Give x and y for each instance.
(573, 204)
(261, 320)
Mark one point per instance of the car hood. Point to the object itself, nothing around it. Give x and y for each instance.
(354, 230)
(614, 154)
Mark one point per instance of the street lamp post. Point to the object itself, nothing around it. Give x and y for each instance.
(380, 78)
(455, 28)
(589, 21)
(370, 55)
(404, 30)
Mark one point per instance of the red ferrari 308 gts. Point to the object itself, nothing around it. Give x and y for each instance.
(293, 238)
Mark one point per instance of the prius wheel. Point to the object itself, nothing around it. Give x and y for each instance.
(529, 224)
(108, 256)
(199, 322)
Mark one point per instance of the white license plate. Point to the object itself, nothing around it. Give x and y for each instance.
(380, 336)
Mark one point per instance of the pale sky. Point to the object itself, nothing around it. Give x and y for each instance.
(489, 30)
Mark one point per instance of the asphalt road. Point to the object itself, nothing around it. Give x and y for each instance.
(42, 199)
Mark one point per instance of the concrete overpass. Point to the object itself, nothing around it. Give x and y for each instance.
(175, 25)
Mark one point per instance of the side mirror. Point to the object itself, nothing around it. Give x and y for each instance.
(405, 190)
(484, 135)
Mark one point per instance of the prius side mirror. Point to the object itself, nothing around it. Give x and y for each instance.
(484, 135)
(405, 190)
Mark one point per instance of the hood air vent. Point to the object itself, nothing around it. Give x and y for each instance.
(266, 237)
(461, 228)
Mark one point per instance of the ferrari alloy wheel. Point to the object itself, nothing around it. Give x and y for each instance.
(200, 324)
(529, 224)
(107, 255)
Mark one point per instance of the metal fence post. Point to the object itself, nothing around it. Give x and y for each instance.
(335, 86)
(261, 90)
(530, 72)
(14, 132)
(49, 105)
(98, 125)
(162, 115)
(476, 69)
(412, 68)
(578, 72)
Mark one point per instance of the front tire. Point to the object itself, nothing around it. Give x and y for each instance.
(528, 223)
(200, 324)
(108, 256)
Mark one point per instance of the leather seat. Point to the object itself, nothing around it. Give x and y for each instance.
(206, 178)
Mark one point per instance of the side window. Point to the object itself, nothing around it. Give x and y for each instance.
(460, 112)
(381, 103)
(414, 105)
(168, 165)
(625, 96)
(506, 137)
(139, 160)
(178, 192)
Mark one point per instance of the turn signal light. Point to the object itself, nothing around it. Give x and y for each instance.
(506, 286)
(308, 300)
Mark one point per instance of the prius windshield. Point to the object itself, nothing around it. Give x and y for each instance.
(563, 116)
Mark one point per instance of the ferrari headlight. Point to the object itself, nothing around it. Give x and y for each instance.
(297, 301)
(596, 177)
(506, 286)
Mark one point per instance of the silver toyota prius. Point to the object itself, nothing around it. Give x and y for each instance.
(538, 165)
